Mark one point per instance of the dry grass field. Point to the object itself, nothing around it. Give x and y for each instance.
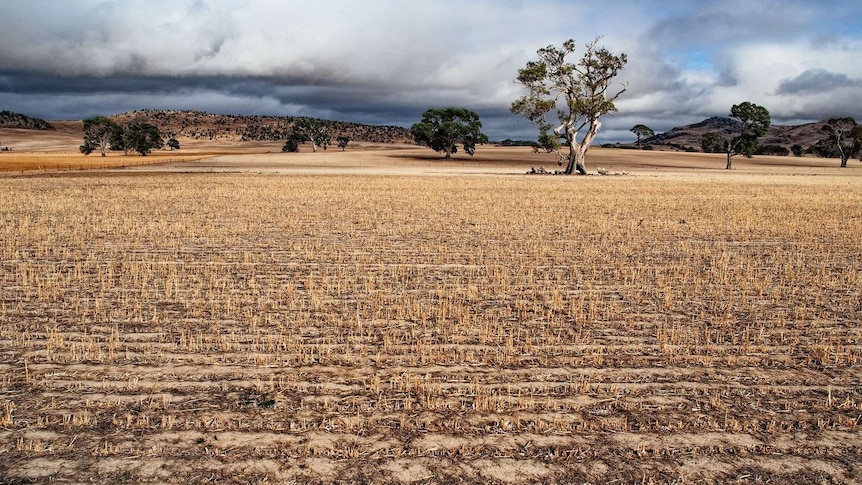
(318, 321)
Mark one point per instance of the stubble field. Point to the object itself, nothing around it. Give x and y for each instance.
(242, 328)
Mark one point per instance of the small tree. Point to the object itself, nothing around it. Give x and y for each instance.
(173, 144)
(291, 145)
(313, 130)
(442, 128)
(642, 132)
(797, 149)
(753, 121)
(581, 88)
(97, 134)
(845, 136)
(142, 138)
(712, 143)
(342, 142)
(549, 141)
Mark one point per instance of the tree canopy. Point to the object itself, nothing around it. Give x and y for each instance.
(342, 142)
(845, 136)
(309, 129)
(579, 89)
(753, 121)
(642, 132)
(291, 145)
(142, 138)
(98, 132)
(713, 143)
(442, 128)
(101, 132)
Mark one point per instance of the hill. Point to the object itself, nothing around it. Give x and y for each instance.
(689, 137)
(208, 126)
(9, 119)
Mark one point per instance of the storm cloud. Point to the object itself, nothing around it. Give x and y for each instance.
(817, 81)
(386, 61)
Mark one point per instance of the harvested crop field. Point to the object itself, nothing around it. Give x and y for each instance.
(242, 328)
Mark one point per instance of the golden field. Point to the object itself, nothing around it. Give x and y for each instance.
(377, 316)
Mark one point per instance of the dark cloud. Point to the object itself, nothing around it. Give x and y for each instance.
(816, 81)
(386, 61)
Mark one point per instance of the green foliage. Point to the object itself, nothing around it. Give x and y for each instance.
(776, 150)
(291, 145)
(579, 90)
(142, 138)
(713, 143)
(442, 128)
(797, 149)
(173, 144)
(309, 129)
(642, 132)
(747, 146)
(548, 140)
(118, 141)
(844, 137)
(824, 149)
(508, 142)
(342, 142)
(98, 131)
(753, 121)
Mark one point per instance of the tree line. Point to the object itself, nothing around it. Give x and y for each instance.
(102, 133)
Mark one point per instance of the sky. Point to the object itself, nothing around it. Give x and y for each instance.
(387, 61)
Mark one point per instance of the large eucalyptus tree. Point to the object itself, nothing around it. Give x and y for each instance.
(577, 90)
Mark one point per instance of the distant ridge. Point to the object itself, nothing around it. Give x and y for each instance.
(208, 126)
(9, 119)
(689, 136)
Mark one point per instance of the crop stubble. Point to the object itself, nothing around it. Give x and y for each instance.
(237, 328)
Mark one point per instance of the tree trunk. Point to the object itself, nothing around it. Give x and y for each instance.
(576, 163)
(729, 160)
(844, 161)
(570, 168)
(580, 165)
(578, 150)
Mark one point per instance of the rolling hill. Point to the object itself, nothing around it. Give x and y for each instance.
(225, 128)
(9, 119)
(689, 136)
(208, 126)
